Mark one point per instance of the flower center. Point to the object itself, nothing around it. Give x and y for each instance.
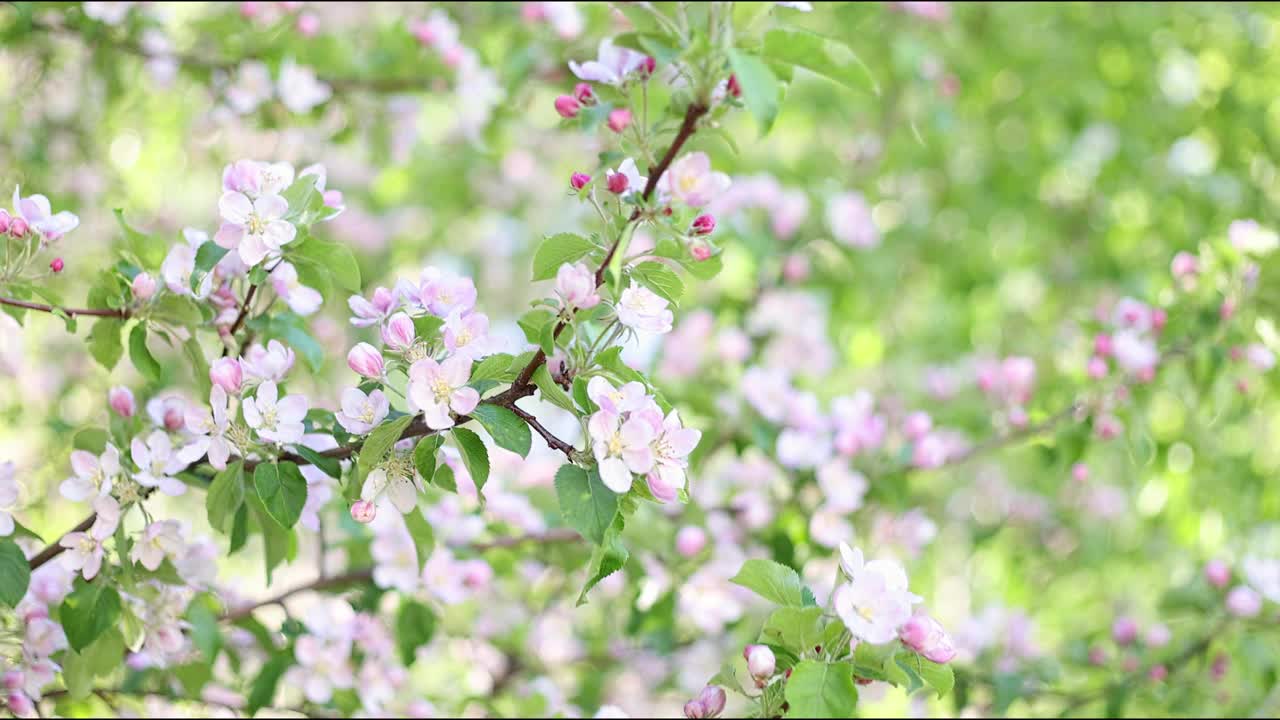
(615, 444)
(463, 338)
(269, 417)
(441, 390)
(256, 224)
(366, 415)
(688, 183)
(866, 613)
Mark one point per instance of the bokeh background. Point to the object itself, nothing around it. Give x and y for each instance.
(1023, 165)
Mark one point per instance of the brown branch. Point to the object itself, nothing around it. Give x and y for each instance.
(553, 442)
(71, 312)
(352, 577)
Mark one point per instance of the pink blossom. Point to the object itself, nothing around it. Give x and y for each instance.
(364, 359)
(1243, 601)
(611, 66)
(227, 374)
(36, 212)
(671, 447)
(435, 389)
(144, 286)
(628, 398)
(467, 335)
(159, 540)
(158, 464)
(361, 413)
(703, 225)
(621, 448)
(276, 420)
(1218, 573)
(398, 333)
(300, 298)
(642, 310)
(582, 93)
(271, 363)
(94, 475)
(371, 312)
(209, 428)
(709, 703)
(444, 293)
(849, 218)
(690, 540)
(576, 286)
(1124, 630)
(84, 550)
(120, 399)
(256, 228)
(875, 602)
(691, 180)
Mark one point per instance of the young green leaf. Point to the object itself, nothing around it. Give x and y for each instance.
(505, 427)
(283, 491)
(821, 690)
(771, 581)
(760, 89)
(661, 279)
(475, 456)
(586, 504)
(15, 573)
(225, 497)
(557, 250)
(90, 610)
(141, 356)
(415, 626)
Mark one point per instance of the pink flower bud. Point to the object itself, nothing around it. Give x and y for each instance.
(795, 268)
(1097, 656)
(582, 93)
(1217, 573)
(1124, 630)
(18, 227)
(57, 264)
(579, 180)
(618, 183)
(1108, 427)
(1097, 367)
(917, 424)
(1102, 345)
(227, 374)
(1226, 311)
(694, 710)
(4, 221)
(1158, 673)
(649, 66)
(20, 704)
(1185, 265)
(703, 225)
(365, 360)
(926, 636)
(567, 106)
(399, 333)
(734, 88)
(1080, 472)
(308, 25)
(619, 119)
(363, 511)
(144, 286)
(120, 399)
(712, 698)
(1159, 318)
(700, 251)
(690, 540)
(760, 662)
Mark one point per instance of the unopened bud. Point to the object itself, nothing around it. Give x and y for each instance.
(567, 106)
(227, 374)
(144, 286)
(760, 662)
(619, 119)
(57, 264)
(363, 511)
(734, 88)
(703, 225)
(579, 180)
(18, 227)
(120, 399)
(618, 183)
(583, 94)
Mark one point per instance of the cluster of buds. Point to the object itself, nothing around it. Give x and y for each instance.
(708, 704)
(13, 226)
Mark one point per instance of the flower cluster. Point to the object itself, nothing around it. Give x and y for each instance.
(630, 436)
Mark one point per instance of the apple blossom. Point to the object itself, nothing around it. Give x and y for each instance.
(625, 180)
(691, 180)
(277, 420)
(576, 287)
(120, 399)
(299, 89)
(437, 388)
(36, 213)
(690, 540)
(612, 65)
(642, 310)
(56, 265)
(255, 228)
(227, 374)
(364, 359)
(926, 636)
(158, 463)
(363, 511)
(874, 603)
(84, 549)
(630, 397)
(1244, 602)
(398, 333)
(210, 428)
(467, 335)
(270, 363)
(849, 218)
(160, 540)
(361, 413)
(671, 447)
(372, 312)
(1218, 573)
(444, 293)
(300, 298)
(760, 663)
(94, 476)
(621, 447)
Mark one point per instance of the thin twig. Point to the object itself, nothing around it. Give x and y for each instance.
(70, 312)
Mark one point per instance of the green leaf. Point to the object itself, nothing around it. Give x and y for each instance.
(205, 632)
(199, 365)
(494, 367)
(424, 456)
(415, 626)
(556, 250)
(609, 557)
(939, 678)
(327, 465)
(505, 427)
(586, 504)
(771, 581)
(799, 630)
(279, 543)
(104, 342)
(424, 538)
(551, 391)
(427, 327)
(334, 257)
(444, 479)
(283, 491)
(475, 456)
(760, 89)
(100, 658)
(90, 610)
(661, 279)
(15, 573)
(141, 356)
(824, 56)
(821, 690)
(264, 686)
(225, 497)
(704, 269)
(91, 439)
(533, 322)
(149, 250)
(207, 256)
(380, 441)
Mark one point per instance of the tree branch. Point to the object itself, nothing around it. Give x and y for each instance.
(71, 312)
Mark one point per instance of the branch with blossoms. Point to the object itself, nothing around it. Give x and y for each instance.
(438, 396)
